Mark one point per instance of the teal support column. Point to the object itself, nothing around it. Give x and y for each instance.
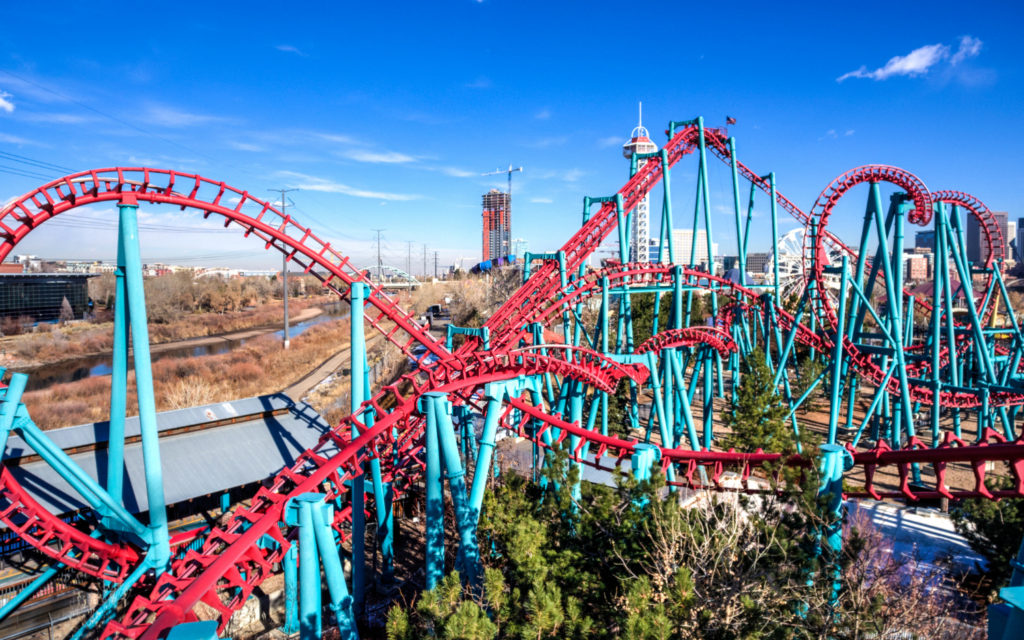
(709, 399)
(310, 623)
(837, 358)
(316, 543)
(341, 603)
(465, 522)
(159, 552)
(358, 369)
(386, 534)
(832, 467)
(9, 407)
(576, 416)
(666, 212)
(643, 458)
(486, 450)
(202, 630)
(775, 237)
(291, 590)
(1006, 620)
(435, 496)
(740, 243)
(118, 382)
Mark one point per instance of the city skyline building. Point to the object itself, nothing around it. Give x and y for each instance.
(497, 225)
(683, 241)
(1020, 236)
(1011, 239)
(925, 239)
(519, 248)
(977, 248)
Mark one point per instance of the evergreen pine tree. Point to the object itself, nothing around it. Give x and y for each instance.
(756, 416)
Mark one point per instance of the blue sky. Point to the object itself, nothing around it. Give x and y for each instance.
(385, 115)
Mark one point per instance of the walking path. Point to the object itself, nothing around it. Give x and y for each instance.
(329, 366)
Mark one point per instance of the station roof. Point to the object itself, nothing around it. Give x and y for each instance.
(203, 450)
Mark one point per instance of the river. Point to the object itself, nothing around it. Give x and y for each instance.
(100, 365)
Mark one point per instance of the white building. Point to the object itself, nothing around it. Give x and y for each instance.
(640, 231)
(682, 240)
(1011, 235)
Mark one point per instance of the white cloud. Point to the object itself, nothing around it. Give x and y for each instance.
(543, 114)
(566, 175)
(287, 48)
(610, 141)
(544, 143)
(969, 47)
(5, 102)
(312, 183)
(849, 132)
(166, 116)
(58, 118)
(455, 172)
(377, 157)
(335, 137)
(919, 61)
(482, 82)
(541, 200)
(245, 146)
(9, 139)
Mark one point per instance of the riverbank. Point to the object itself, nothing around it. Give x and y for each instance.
(52, 344)
(258, 366)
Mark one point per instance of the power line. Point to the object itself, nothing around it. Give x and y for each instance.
(14, 171)
(38, 163)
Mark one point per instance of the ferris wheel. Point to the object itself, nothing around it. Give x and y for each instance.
(792, 279)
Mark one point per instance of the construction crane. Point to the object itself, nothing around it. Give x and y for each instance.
(509, 171)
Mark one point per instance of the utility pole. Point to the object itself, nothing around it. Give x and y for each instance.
(425, 272)
(380, 264)
(408, 258)
(435, 265)
(284, 265)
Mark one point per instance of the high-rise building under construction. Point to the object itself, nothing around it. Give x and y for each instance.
(497, 225)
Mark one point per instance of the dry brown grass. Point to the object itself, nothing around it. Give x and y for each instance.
(259, 366)
(49, 344)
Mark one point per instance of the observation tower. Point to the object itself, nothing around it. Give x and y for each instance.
(640, 229)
